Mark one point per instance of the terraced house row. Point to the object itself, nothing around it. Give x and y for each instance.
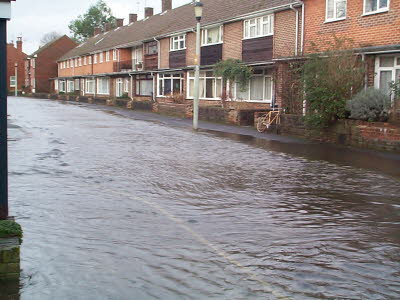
(154, 58)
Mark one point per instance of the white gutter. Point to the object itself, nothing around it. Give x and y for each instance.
(297, 30)
(158, 54)
(302, 26)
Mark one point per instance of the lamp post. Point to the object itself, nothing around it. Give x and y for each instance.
(16, 79)
(198, 11)
(5, 14)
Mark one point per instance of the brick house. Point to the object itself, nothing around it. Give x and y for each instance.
(15, 55)
(42, 64)
(372, 25)
(153, 59)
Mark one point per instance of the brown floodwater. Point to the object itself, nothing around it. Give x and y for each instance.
(129, 205)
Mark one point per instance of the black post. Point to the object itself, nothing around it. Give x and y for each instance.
(3, 122)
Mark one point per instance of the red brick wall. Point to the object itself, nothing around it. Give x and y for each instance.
(372, 30)
(46, 62)
(285, 33)
(164, 53)
(233, 36)
(15, 55)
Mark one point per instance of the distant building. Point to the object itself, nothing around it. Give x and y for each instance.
(15, 55)
(42, 64)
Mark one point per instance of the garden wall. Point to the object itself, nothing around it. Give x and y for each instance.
(371, 135)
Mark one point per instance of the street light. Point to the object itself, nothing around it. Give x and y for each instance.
(198, 11)
(5, 14)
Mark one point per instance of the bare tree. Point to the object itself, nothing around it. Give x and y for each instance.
(49, 37)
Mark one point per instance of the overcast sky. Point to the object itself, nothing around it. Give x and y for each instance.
(32, 19)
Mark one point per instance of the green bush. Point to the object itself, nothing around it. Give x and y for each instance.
(370, 105)
(10, 229)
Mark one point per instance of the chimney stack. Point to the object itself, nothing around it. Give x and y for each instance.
(107, 27)
(97, 30)
(148, 12)
(132, 18)
(120, 22)
(19, 44)
(166, 5)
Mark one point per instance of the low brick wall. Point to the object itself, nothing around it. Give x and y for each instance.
(371, 135)
(9, 259)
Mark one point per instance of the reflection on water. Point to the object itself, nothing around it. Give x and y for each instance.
(121, 208)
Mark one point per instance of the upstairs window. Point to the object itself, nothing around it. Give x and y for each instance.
(85, 61)
(211, 36)
(336, 10)
(68, 64)
(178, 42)
(115, 56)
(259, 27)
(90, 60)
(375, 6)
(80, 61)
(108, 56)
(101, 57)
(151, 48)
(95, 58)
(137, 57)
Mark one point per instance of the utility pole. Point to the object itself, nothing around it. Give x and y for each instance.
(198, 9)
(5, 14)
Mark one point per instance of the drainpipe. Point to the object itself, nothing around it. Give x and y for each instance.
(154, 86)
(302, 26)
(158, 53)
(297, 29)
(366, 73)
(130, 75)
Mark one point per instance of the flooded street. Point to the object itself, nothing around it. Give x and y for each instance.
(114, 206)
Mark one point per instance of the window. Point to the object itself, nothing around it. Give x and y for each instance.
(151, 48)
(178, 42)
(211, 36)
(101, 57)
(85, 61)
(80, 61)
(210, 86)
(119, 87)
(259, 88)
(107, 55)
(95, 58)
(90, 85)
(33, 63)
(103, 87)
(336, 10)
(258, 27)
(56, 85)
(77, 84)
(137, 58)
(387, 72)
(127, 84)
(90, 60)
(67, 63)
(62, 86)
(76, 62)
(169, 84)
(144, 85)
(115, 54)
(375, 6)
(70, 86)
(12, 81)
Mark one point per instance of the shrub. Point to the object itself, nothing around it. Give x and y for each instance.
(370, 105)
(329, 79)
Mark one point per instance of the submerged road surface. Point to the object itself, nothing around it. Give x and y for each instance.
(127, 205)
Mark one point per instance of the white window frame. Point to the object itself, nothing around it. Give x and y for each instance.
(70, 86)
(62, 86)
(265, 75)
(13, 79)
(334, 18)
(85, 60)
(115, 55)
(379, 69)
(259, 21)
(101, 57)
(106, 91)
(119, 87)
(90, 60)
(107, 56)
(162, 78)
(126, 85)
(204, 36)
(204, 78)
(177, 39)
(95, 58)
(377, 11)
(80, 61)
(88, 85)
(137, 57)
(56, 85)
